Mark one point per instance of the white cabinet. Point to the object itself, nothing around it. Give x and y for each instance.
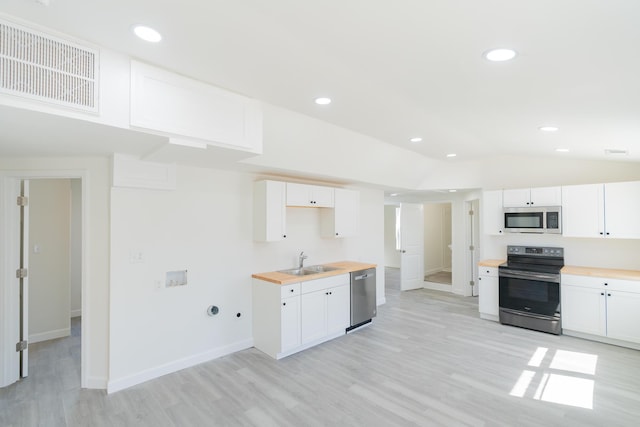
(527, 197)
(488, 294)
(269, 211)
(602, 210)
(602, 307)
(492, 215)
(290, 318)
(344, 219)
(276, 317)
(309, 195)
(325, 308)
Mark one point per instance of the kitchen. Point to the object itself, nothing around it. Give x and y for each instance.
(204, 225)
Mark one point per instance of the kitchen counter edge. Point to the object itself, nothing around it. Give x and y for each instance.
(609, 273)
(343, 267)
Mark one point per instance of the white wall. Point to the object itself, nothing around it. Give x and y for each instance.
(391, 254)
(49, 278)
(75, 248)
(205, 227)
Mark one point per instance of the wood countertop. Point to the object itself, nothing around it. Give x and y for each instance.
(610, 273)
(491, 262)
(343, 267)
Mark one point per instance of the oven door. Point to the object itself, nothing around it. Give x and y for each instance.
(530, 292)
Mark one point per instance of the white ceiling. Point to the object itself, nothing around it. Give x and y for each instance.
(399, 69)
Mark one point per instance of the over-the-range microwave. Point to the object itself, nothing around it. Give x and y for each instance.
(533, 220)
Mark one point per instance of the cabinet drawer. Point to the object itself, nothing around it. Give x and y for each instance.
(601, 283)
(291, 290)
(488, 271)
(324, 283)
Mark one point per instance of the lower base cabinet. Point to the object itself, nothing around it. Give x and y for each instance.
(601, 308)
(488, 294)
(309, 313)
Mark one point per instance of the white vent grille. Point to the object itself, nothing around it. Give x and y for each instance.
(38, 66)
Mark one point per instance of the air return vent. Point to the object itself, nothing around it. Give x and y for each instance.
(38, 66)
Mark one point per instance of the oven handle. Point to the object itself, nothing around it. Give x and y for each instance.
(541, 277)
(528, 314)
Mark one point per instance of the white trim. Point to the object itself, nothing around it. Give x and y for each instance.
(49, 335)
(99, 383)
(7, 321)
(75, 313)
(381, 301)
(438, 287)
(168, 368)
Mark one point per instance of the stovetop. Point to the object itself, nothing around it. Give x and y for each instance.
(534, 258)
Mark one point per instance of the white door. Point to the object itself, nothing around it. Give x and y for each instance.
(411, 246)
(24, 281)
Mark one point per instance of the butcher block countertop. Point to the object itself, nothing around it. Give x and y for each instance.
(286, 279)
(491, 262)
(610, 273)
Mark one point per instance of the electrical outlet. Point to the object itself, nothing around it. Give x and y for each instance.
(136, 257)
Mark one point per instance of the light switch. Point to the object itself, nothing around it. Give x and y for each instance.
(37, 248)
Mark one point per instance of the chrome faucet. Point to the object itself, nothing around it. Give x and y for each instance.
(302, 258)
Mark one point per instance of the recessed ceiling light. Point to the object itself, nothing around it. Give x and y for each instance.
(416, 139)
(452, 191)
(451, 155)
(147, 34)
(549, 128)
(323, 101)
(393, 194)
(562, 150)
(615, 152)
(499, 55)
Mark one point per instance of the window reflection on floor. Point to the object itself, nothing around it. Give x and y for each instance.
(568, 380)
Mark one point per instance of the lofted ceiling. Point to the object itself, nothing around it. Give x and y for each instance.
(401, 69)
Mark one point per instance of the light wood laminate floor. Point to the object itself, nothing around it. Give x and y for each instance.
(426, 360)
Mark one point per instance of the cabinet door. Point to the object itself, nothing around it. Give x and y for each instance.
(313, 316)
(298, 194)
(583, 310)
(269, 211)
(290, 323)
(623, 316)
(546, 196)
(622, 204)
(322, 197)
(492, 215)
(583, 210)
(347, 212)
(338, 309)
(488, 295)
(516, 198)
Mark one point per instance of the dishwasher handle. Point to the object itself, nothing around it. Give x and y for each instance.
(364, 276)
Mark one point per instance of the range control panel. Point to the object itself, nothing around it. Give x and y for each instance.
(535, 251)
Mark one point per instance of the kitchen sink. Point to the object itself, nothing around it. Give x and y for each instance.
(320, 268)
(298, 272)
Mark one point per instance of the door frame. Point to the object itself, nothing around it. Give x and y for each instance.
(10, 294)
(472, 236)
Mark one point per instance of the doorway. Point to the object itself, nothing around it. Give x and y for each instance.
(437, 246)
(53, 297)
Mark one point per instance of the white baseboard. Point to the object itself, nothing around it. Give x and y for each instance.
(168, 368)
(49, 335)
(76, 313)
(381, 301)
(99, 383)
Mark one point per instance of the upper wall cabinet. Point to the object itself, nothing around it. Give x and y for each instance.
(309, 195)
(269, 211)
(528, 197)
(602, 210)
(344, 219)
(492, 216)
(174, 105)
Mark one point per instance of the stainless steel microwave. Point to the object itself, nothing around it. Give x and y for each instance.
(533, 220)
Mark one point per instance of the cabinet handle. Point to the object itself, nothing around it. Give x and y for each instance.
(608, 295)
(284, 236)
(607, 233)
(601, 293)
(601, 233)
(290, 290)
(336, 234)
(284, 303)
(606, 284)
(499, 231)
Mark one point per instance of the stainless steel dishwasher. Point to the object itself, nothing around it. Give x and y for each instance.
(363, 297)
